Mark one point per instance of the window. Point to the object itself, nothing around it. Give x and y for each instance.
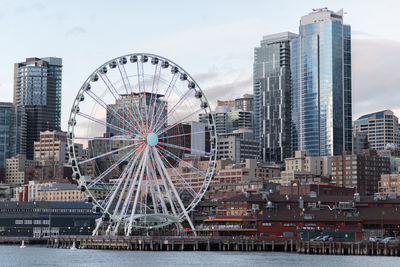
(267, 224)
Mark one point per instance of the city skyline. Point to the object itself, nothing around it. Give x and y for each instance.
(84, 41)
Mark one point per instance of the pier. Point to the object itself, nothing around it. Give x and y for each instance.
(188, 243)
(173, 243)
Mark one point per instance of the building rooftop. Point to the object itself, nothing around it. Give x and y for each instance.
(379, 115)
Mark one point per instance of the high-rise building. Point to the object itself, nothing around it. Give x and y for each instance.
(321, 84)
(7, 132)
(52, 148)
(382, 129)
(272, 96)
(37, 96)
(149, 105)
(360, 142)
(228, 119)
(245, 102)
(238, 146)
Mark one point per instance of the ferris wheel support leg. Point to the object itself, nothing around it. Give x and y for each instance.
(96, 230)
(165, 185)
(129, 173)
(144, 162)
(176, 194)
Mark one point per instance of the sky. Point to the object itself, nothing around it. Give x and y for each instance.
(212, 40)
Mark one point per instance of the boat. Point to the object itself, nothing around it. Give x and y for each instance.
(73, 247)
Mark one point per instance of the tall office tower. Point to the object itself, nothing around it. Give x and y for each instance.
(382, 129)
(37, 96)
(272, 96)
(321, 81)
(7, 132)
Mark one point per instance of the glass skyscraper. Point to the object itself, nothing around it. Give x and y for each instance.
(321, 84)
(7, 132)
(272, 96)
(37, 96)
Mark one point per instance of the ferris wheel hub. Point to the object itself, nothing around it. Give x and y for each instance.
(152, 139)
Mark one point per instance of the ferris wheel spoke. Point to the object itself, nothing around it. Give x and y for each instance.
(115, 114)
(183, 181)
(156, 80)
(129, 89)
(185, 134)
(159, 132)
(169, 113)
(142, 85)
(112, 167)
(116, 138)
(115, 94)
(103, 122)
(107, 153)
(163, 150)
(175, 193)
(125, 80)
(166, 98)
(154, 106)
(185, 148)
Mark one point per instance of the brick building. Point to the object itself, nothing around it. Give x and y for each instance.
(359, 171)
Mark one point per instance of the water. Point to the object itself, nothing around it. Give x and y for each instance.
(11, 256)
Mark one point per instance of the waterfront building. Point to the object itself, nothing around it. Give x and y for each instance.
(272, 96)
(67, 192)
(7, 132)
(230, 178)
(360, 171)
(299, 188)
(382, 129)
(321, 84)
(37, 96)
(302, 217)
(46, 219)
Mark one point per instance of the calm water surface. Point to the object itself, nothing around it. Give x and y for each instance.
(42, 256)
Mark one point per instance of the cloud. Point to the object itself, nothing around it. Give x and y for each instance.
(360, 34)
(34, 7)
(376, 79)
(75, 31)
(229, 89)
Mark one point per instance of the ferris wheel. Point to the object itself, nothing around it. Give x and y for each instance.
(151, 143)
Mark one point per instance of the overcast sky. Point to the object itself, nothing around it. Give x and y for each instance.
(212, 40)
